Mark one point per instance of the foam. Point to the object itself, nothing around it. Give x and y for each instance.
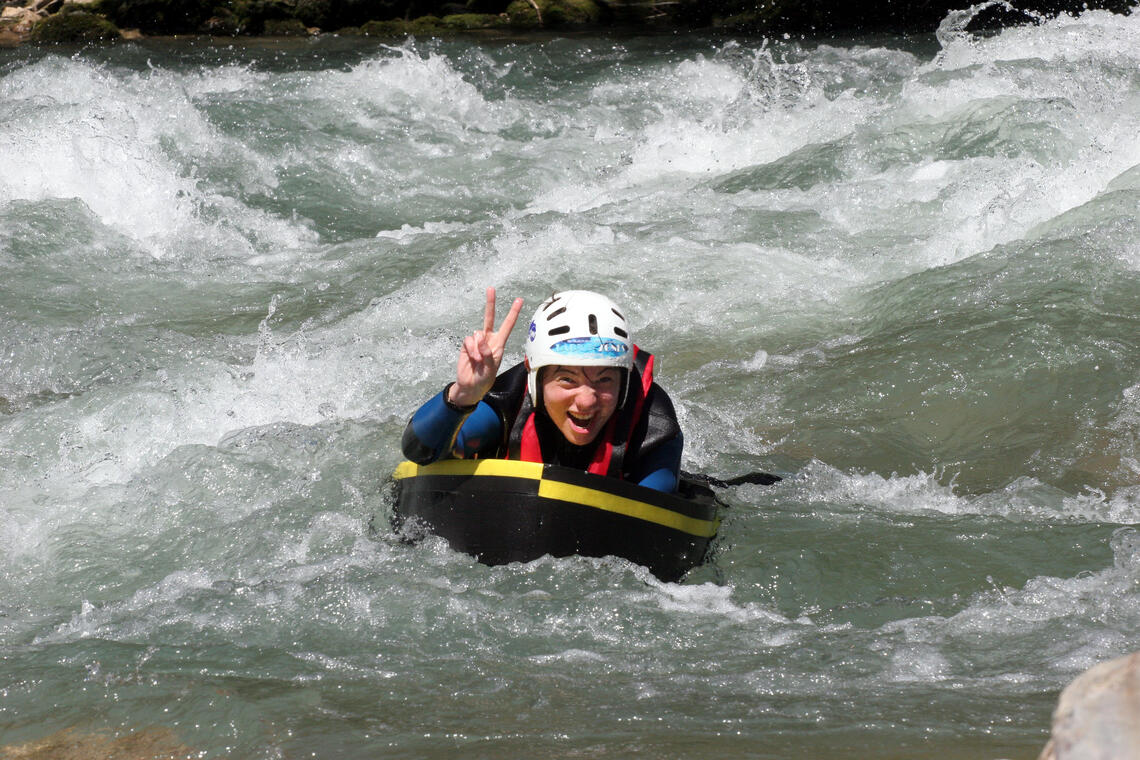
(1025, 498)
(1031, 616)
(122, 144)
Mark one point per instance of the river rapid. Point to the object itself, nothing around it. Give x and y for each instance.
(902, 273)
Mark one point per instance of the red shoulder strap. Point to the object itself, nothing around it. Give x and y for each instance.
(530, 450)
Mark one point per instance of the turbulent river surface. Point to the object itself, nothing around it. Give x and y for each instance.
(903, 274)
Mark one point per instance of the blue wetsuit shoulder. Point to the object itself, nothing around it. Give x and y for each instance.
(437, 431)
(660, 468)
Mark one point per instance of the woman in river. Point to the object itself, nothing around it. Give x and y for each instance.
(584, 397)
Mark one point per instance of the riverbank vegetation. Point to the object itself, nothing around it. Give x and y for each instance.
(84, 20)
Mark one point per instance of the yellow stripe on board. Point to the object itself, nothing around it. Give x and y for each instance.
(508, 468)
(551, 489)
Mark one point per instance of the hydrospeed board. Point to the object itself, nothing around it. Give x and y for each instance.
(503, 511)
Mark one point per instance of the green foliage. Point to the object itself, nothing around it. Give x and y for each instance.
(522, 13)
(74, 26)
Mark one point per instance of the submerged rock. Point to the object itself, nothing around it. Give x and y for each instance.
(1098, 714)
(73, 744)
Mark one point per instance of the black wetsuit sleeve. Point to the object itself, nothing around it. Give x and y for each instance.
(659, 443)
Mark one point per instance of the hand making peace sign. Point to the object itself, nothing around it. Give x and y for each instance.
(481, 355)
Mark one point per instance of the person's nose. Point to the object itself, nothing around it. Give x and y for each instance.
(586, 398)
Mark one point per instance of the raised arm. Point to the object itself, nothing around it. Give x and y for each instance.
(481, 354)
(434, 430)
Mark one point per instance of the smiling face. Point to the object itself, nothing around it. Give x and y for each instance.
(580, 400)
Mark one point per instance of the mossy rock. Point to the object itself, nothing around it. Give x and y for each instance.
(395, 27)
(285, 27)
(465, 21)
(424, 26)
(427, 26)
(74, 26)
(553, 13)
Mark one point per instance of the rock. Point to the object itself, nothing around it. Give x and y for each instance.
(77, 26)
(424, 26)
(1098, 714)
(389, 28)
(45, 6)
(285, 27)
(468, 21)
(18, 20)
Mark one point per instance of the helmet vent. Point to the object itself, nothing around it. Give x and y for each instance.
(619, 314)
(593, 325)
(555, 313)
(620, 332)
(559, 330)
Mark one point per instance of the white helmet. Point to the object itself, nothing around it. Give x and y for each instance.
(577, 328)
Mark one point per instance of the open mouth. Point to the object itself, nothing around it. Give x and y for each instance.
(581, 421)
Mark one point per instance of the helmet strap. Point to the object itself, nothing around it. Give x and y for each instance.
(624, 391)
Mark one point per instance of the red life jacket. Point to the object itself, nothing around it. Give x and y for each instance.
(611, 445)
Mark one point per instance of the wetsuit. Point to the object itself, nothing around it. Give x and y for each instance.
(642, 442)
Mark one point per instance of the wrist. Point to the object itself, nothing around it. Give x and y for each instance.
(454, 405)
